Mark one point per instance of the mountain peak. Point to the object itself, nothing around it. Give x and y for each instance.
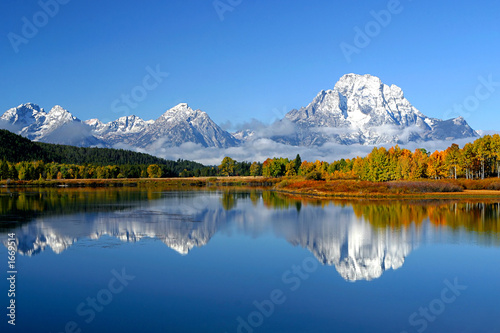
(59, 112)
(359, 78)
(34, 123)
(94, 123)
(352, 82)
(182, 112)
(31, 106)
(57, 109)
(360, 109)
(59, 115)
(354, 76)
(181, 107)
(23, 117)
(23, 110)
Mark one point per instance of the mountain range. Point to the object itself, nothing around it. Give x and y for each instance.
(360, 109)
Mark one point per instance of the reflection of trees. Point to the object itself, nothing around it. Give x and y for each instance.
(254, 197)
(60, 200)
(228, 200)
(474, 216)
(24, 205)
(277, 200)
(274, 200)
(481, 217)
(269, 198)
(393, 214)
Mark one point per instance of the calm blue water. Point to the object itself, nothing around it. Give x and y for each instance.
(133, 261)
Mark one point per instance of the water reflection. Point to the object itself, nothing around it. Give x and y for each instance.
(360, 238)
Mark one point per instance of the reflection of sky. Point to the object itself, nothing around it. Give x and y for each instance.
(239, 256)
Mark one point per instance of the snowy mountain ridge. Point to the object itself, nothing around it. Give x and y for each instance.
(360, 109)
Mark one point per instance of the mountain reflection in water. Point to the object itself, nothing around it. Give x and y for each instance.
(361, 238)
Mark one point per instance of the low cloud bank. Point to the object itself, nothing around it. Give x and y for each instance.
(260, 149)
(9, 127)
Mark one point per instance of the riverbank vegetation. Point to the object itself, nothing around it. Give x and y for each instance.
(392, 171)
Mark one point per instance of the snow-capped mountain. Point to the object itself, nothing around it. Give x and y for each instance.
(176, 126)
(123, 130)
(56, 126)
(244, 135)
(123, 125)
(182, 124)
(26, 119)
(361, 109)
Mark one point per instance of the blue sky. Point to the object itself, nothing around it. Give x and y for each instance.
(261, 60)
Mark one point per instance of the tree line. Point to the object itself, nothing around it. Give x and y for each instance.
(39, 170)
(26, 160)
(476, 160)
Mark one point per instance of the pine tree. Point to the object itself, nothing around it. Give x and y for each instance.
(297, 163)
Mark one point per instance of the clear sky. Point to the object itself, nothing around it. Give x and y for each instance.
(247, 59)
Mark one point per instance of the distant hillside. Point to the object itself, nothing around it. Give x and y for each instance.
(15, 148)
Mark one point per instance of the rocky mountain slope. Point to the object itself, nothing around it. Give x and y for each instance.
(361, 109)
(56, 126)
(176, 126)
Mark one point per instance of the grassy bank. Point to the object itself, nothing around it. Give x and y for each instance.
(421, 188)
(295, 185)
(167, 183)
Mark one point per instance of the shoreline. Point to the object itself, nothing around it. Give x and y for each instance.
(466, 194)
(315, 189)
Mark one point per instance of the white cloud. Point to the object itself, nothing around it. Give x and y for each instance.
(252, 125)
(488, 132)
(9, 127)
(260, 149)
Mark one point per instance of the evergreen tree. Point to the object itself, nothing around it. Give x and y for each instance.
(297, 162)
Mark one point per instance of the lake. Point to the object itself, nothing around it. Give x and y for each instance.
(133, 260)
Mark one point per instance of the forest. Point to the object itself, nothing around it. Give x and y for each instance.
(22, 159)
